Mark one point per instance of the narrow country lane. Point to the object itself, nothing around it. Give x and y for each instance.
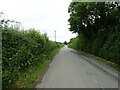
(70, 70)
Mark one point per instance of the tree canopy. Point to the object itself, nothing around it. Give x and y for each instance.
(98, 28)
(90, 17)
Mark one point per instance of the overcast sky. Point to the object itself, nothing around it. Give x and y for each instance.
(44, 15)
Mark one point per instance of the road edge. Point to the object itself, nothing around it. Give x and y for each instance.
(96, 64)
(44, 72)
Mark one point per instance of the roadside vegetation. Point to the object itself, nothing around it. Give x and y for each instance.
(98, 27)
(25, 55)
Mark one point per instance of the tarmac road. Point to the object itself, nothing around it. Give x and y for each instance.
(70, 70)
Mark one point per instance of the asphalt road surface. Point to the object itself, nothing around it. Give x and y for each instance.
(69, 70)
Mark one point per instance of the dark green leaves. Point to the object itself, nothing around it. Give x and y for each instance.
(21, 50)
(98, 28)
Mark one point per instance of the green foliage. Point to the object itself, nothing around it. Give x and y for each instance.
(90, 17)
(74, 43)
(111, 48)
(21, 49)
(65, 43)
(98, 28)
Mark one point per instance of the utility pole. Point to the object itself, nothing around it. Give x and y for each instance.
(55, 36)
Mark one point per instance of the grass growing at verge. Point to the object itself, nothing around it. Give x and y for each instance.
(107, 62)
(34, 72)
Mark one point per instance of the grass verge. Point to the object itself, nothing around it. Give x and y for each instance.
(32, 74)
(109, 63)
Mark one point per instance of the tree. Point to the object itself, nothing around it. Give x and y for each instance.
(90, 17)
(65, 43)
(97, 25)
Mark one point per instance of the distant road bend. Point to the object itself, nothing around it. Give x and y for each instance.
(70, 70)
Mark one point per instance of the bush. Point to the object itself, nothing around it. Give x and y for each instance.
(106, 44)
(20, 50)
(74, 43)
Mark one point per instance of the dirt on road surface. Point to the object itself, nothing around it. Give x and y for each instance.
(69, 70)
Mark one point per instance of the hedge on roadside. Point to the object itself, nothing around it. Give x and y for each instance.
(105, 44)
(21, 49)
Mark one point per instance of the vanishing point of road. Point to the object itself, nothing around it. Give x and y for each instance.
(70, 70)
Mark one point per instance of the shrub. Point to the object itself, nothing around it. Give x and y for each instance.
(20, 50)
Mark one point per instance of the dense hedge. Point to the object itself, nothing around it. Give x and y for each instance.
(21, 49)
(104, 44)
(98, 27)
